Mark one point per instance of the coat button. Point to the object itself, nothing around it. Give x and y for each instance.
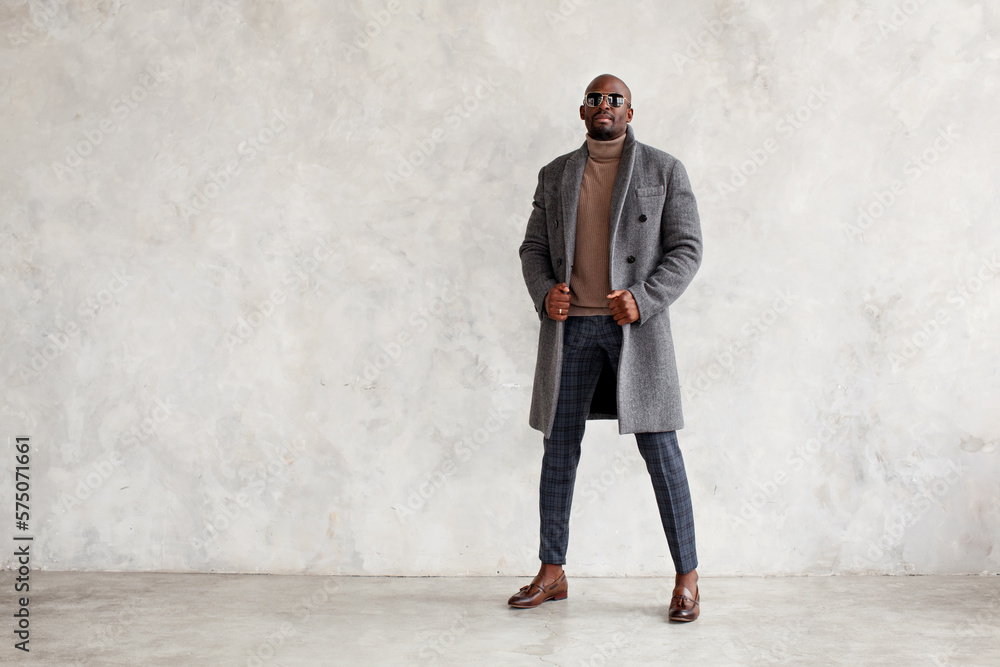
(642, 218)
(557, 223)
(630, 259)
(559, 262)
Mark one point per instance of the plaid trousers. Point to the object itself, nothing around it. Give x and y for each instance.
(587, 341)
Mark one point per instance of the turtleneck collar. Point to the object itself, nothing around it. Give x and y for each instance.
(606, 150)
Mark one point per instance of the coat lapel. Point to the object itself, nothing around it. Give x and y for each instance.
(622, 180)
(570, 188)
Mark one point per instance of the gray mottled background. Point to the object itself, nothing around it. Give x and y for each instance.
(262, 307)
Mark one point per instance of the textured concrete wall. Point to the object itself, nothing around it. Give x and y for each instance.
(262, 307)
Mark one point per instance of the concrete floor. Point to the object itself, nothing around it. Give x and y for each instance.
(199, 619)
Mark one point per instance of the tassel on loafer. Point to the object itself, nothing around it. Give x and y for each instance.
(535, 593)
(679, 611)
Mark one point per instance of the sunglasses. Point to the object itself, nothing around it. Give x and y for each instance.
(614, 99)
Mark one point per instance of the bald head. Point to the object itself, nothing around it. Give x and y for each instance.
(604, 83)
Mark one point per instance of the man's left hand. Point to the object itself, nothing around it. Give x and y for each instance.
(623, 307)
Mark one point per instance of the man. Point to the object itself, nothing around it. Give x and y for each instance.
(613, 239)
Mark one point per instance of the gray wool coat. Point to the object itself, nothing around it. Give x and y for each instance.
(655, 247)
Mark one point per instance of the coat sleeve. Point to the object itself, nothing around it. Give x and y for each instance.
(536, 259)
(680, 230)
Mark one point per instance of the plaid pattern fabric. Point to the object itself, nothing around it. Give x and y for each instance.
(587, 341)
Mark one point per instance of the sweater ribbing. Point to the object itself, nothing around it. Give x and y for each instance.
(590, 279)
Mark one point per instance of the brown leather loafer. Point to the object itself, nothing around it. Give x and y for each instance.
(535, 594)
(683, 607)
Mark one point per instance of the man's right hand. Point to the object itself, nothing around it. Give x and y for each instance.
(557, 302)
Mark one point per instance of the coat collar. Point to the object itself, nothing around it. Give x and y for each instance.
(622, 180)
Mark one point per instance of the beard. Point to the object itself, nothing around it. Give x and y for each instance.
(603, 132)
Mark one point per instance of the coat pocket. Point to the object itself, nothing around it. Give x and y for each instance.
(651, 191)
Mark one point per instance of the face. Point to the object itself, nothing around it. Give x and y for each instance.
(606, 122)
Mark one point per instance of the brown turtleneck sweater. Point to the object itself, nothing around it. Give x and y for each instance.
(590, 279)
